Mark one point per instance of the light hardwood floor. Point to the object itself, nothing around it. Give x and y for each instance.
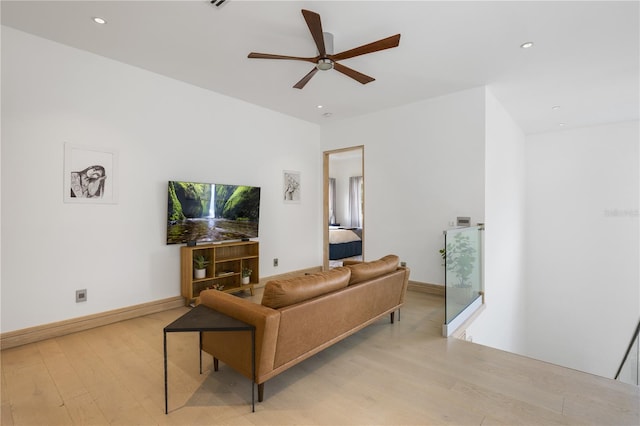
(402, 373)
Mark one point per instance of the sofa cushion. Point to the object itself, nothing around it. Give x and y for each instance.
(280, 293)
(366, 270)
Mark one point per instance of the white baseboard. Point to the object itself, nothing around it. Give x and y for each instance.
(47, 331)
(436, 289)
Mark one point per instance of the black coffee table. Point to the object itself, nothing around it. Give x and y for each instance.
(201, 319)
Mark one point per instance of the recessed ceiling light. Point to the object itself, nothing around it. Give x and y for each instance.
(320, 106)
(561, 124)
(527, 45)
(99, 20)
(555, 107)
(327, 114)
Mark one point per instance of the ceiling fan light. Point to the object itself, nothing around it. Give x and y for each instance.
(324, 64)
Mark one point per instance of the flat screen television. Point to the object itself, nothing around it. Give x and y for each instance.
(209, 212)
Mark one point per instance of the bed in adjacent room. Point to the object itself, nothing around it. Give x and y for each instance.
(344, 243)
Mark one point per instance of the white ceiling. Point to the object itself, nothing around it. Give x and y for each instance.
(585, 59)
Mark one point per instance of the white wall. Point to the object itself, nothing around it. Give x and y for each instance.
(583, 294)
(163, 130)
(502, 323)
(424, 165)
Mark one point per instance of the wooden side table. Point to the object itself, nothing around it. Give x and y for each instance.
(201, 319)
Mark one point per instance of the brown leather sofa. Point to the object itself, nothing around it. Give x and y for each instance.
(301, 316)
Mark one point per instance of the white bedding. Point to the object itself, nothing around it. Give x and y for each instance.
(338, 236)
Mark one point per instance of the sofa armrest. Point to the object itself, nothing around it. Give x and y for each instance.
(234, 348)
(405, 284)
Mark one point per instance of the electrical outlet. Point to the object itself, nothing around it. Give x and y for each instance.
(81, 295)
(275, 261)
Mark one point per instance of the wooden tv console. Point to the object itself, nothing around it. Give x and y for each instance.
(224, 271)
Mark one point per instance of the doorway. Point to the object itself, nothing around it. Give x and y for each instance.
(343, 205)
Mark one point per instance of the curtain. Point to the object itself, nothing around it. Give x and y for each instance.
(332, 200)
(355, 201)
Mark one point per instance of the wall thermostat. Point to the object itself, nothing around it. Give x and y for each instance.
(463, 221)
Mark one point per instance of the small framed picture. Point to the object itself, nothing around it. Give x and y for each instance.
(90, 175)
(291, 189)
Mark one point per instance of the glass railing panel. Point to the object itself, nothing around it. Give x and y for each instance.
(463, 266)
(629, 372)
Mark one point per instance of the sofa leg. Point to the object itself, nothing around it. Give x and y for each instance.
(260, 392)
(215, 364)
(392, 315)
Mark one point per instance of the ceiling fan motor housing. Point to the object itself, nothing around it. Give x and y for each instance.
(324, 64)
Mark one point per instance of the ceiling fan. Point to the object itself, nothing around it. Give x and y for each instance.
(327, 60)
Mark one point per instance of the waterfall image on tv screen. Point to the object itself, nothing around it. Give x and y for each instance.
(208, 212)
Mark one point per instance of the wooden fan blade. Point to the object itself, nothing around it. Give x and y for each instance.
(306, 78)
(385, 43)
(362, 78)
(315, 26)
(255, 55)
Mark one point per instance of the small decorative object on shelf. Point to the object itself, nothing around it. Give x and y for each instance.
(246, 275)
(200, 266)
(218, 287)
